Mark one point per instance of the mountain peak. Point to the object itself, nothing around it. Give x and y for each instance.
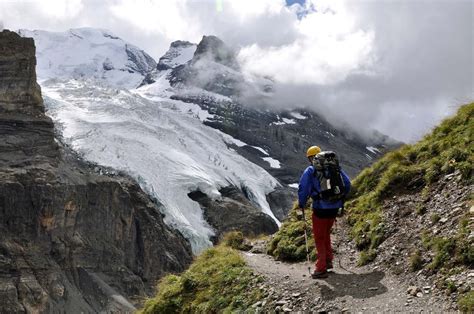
(90, 53)
(179, 53)
(181, 43)
(214, 49)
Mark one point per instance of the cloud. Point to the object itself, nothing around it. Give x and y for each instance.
(398, 66)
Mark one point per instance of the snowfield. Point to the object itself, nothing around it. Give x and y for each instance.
(85, 53)
(158, 142)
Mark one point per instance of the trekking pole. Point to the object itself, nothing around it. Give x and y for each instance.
(306, 243)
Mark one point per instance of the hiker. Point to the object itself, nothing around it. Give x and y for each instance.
(327, 185)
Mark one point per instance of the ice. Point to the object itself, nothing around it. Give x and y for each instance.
(373, 150)
(297, 115)
(233, 141)
(294, 185)
(184, 56)
(86, 53)
(261, 149)
(273, 162)
(169, 152)
(284, 121)
(89, 80)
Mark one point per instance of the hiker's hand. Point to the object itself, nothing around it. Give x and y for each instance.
(299, 213)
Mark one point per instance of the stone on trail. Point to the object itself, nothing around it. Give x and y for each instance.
(413, 290)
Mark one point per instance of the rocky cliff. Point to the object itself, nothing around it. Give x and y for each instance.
(72, 240)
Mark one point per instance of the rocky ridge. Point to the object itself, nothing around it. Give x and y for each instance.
(72, 240)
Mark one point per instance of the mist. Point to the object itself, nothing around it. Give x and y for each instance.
(411, 64)
(395, 66)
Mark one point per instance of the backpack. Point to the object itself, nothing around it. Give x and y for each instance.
(327, 170)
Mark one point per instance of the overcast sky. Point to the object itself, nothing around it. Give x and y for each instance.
(398, 66)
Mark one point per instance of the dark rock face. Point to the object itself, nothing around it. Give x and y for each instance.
(234, 212)
(140, 61)
(214, 49)
(71, 240)
(281, 201)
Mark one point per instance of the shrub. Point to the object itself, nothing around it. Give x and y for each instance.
(367, 257)
(466, 302)
(420, 209)
(288, 243)
(415, 260)
(235, 240)
(217, 281)
(435, 218)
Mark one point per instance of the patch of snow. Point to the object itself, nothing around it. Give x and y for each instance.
(177, 55)
(289, 121)
(329, 133)
(368, 156)
(260, 149)
(284, 121)
(373, 150)
(232, 140)
(273, 162)
(297, 115)
(294, 185)
(169, 152)
(160, 88)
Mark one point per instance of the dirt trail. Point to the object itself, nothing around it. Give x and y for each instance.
(290, 288)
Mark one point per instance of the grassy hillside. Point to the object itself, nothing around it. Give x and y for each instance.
(217, 281)
(412, 168)
(409, 169)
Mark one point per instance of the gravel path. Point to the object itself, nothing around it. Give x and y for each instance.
(290, 288)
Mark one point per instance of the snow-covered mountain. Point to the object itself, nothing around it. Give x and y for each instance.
(88, 53)
(159, 141)
(179, 126)
(276, 139)
(179, 53)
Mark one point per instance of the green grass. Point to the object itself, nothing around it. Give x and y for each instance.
(217, 281)
(435, 217)
(415, 261)
(450, 251)
(288, 243)
(412, 168)
(235, 240)
(466, 302)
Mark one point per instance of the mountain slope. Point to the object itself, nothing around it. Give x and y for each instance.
(186, 122)
(135, 134)
(88, 53)
(419, 259)
(276, 139)
(71, 240)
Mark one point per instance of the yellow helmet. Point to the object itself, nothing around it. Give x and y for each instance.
(312, 151)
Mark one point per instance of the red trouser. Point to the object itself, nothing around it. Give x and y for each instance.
(322, 237)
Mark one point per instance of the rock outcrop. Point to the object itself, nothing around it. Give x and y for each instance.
(234, 212)
(71, 240)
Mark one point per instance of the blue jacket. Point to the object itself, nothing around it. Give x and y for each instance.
(309, 186)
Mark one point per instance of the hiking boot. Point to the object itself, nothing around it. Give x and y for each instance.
(329, 265)
(319, 274)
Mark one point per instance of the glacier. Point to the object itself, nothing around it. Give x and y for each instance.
(92, 85)
(168, 150)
